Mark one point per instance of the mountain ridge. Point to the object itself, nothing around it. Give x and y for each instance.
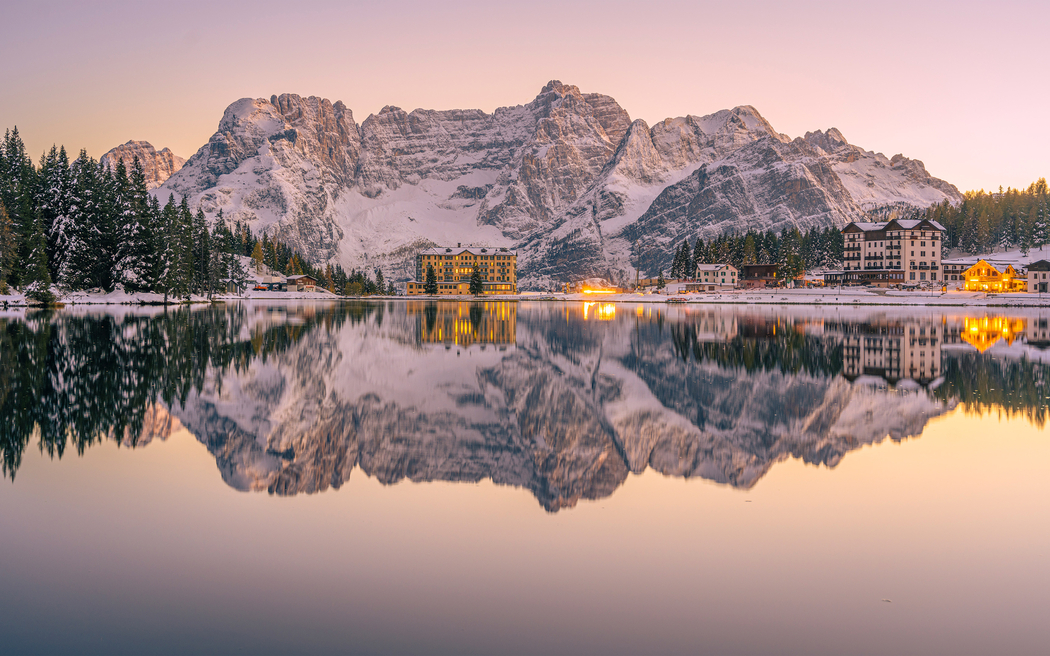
(567, 179)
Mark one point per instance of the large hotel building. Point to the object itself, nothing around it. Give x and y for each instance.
(897, 252)
(454, 266)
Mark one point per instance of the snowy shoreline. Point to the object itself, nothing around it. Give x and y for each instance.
(808, 297)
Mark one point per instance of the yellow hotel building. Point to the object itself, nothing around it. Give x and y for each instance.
(454, 266)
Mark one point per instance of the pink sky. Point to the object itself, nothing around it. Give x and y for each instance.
(960, 85)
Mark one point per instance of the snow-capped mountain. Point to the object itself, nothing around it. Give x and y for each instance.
(568, 179)
(564, 407)
(158, 165)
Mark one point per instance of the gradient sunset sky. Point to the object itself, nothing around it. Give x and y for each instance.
(961, 85)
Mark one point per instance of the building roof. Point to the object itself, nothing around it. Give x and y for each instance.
(297, 277)
(865, 226)
(473, 250)
(712, 267)
(997, 264)
(901, 224)
(1039, 265)
(911, 224)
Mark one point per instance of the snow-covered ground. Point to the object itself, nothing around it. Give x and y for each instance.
(821, 296)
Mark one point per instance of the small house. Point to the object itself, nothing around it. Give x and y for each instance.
(301, 283)
(274, 283)
(993, 277)
(1038, 277)
(759, 275)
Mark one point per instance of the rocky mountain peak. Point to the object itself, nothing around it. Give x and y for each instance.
(826, 142)
(568, 178)
(158, 165)
(556, 86)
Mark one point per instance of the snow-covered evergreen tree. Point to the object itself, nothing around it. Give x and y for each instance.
(8, 248)
(53, 200)
(38, 278)
(430, 285)
(175, 275)
(698, 253)
(202, 261)
(83, 240)
(136, 260)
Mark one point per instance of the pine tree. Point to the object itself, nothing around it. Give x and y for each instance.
(329, 281)
(8, 248)
(185, 235)
(173, 279)
(38, 278)
(430, 286)
(1027, 233)
(688, 265)
(80, 266)
(53, 199)
(750, 251)
(380, 282)
(698, 254)
(17, 183)
(477, 285)
(202, 260)
(106, 225)
(136, 251)
(257, 257)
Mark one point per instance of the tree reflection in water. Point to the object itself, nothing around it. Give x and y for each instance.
(560, 399)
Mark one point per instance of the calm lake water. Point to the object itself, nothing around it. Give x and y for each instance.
(524, 478)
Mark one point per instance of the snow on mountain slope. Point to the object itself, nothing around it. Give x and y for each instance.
(872, 180)
(568, 178)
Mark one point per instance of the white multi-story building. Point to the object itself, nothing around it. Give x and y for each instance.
(898, 252)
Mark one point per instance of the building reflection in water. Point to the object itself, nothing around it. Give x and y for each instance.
(983, 333)
(463, 324)
(599, 311)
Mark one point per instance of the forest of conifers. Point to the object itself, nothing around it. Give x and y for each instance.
(83, 226)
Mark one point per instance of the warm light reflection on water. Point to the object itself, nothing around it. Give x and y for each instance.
(658, 480)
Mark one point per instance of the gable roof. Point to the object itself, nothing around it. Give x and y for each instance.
(915, 224)
(712, 267)
(863, 226)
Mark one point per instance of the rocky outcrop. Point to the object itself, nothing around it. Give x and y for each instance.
(567, 179)
(157, 166)
(766, 183)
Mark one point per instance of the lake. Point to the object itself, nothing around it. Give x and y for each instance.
(524, 478)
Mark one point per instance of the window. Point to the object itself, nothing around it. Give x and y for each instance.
(912, 275)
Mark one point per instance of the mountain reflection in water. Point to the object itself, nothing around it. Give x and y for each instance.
(562, 399)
